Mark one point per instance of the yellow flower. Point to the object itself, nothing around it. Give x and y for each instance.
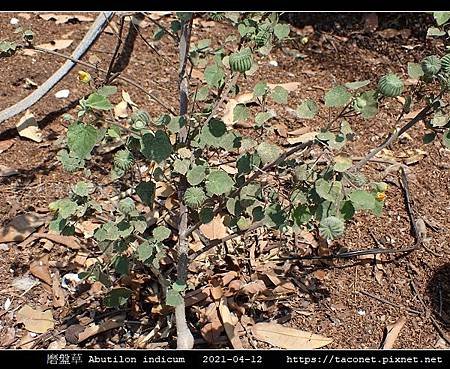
(381, 196)
(84, 77)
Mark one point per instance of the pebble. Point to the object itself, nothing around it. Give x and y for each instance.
(14, 21)
(273, 63)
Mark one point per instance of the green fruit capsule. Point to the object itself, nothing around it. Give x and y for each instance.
(263, 35)
(445, 63)
(194, 197)
(431, 65)
(241, 61)
(123, 160)
(390, 85)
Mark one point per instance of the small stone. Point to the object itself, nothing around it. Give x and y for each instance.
(14, 21)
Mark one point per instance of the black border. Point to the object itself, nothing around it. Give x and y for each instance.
(225, 5)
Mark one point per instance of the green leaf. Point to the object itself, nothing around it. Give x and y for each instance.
(176, 123)
(145, 251)
(357, 84)
(435, 32)
(441, 17)
(161, 233)
(347, 210)
(302, 215)
(328, 190)
(98, 101)
(219, 182)
(126, 205)
(83, 189)
(65, 207)
(181, 166)
(263, 117)
(196, 175)
(108, 231)
(446, 138)
(156, 147)
(281, 31)
(107, 90)
(213, 134)
(342, 163)
(81, 139)
(260, 89)
(307, 110)
(240, 113)
(122, 265)
(173, 297)
(280, 95)
(331, 227)
(275, 216)
(362, 200)
(69, 163)
(206, 215)
(202, 94)
(214, 76)
(268, 152)
(337, 97)
(159, 33)
(146, 192)
(367, 104)
(440, 119)
(117, 297)
(415, 70)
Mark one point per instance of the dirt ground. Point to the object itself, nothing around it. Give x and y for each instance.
(350, 301)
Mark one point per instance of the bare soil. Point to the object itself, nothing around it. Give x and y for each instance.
(329, 297)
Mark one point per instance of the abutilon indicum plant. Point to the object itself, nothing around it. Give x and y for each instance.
(183, 149)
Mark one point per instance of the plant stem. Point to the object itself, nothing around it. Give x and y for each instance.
(185, 340)
(394, 135)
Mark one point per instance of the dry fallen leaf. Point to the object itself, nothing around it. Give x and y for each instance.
(289, 86)
(40, 269)
(228, 112)
(214, 229)
(305, 137)
(391, 333)
(56, 45)
(288, 338)
(21, 227)
(229, 321)
(7, 171)
(120, 110)
(35, 320)
(59, 299)
(69, 241)
(94, 329)
(126, 97)
(254, 287)
(28, 127)
(5, 145)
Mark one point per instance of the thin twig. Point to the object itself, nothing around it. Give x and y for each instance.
(92, 66)
(412, 311)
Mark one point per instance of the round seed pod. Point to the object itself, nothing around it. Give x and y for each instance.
(263, 35)
(445, 63)
(123, 159)
(431, 65)
(194, 197)
(217, 16)
(390, 85)
(241, 61)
